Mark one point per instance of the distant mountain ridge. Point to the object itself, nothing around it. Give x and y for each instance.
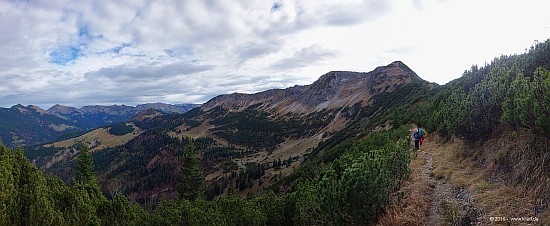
(93, 116)
(120, 109)
(20, 125)
(27, 125)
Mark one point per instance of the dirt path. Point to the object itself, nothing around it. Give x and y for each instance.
(448, 186)
(430, 196)
(451, 203)
(442, 191)
(423, 193)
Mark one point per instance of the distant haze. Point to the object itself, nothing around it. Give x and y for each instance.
(131, 52)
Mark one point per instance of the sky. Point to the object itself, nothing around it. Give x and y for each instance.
(188, 51)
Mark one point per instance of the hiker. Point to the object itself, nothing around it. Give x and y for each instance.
(421, 131)
(416, 137)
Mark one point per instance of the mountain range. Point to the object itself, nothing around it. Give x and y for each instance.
(28, 125)
(271, 131)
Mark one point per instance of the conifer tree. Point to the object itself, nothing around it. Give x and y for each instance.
(85, 167)
(190, 182)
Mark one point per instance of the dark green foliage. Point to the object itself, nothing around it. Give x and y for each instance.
(190, 182)
(184, 212)
(528, 103)
(121, 129)
(256, 129)
(239, 180)
(512, 89)
(278, 209)
(85, 167)
(40, 151)
(372, 176)
(121, 211)
(28, 197)
(355, 183)
(356, 186)
(167, 121)
(253, 171)
(237, 211)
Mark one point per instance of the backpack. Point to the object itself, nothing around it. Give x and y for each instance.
(421, 131)
(416, 135)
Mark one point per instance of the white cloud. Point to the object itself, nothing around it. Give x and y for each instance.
(304, 57)
(131, 51)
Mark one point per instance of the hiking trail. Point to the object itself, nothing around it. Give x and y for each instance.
(430, 196)
(447, 204)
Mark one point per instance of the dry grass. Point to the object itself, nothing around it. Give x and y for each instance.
(414, 207)
(492, 195)
(101, 135)
(450, 213)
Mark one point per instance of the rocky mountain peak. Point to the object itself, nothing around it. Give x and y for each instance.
(332, 90)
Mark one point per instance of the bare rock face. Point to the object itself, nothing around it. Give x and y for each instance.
(332, 90)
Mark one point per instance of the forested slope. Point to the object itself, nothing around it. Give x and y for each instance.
(352, 190)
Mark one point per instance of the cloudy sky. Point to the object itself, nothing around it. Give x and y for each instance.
(188, 51)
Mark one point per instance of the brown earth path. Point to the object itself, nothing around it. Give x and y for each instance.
(430, 198)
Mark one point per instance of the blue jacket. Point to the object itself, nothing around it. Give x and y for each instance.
(418, 133)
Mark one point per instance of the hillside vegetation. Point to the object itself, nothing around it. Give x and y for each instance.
(338, 195)
(509, 98)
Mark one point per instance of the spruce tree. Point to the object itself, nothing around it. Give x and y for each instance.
(85, 167)
(190, 182)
